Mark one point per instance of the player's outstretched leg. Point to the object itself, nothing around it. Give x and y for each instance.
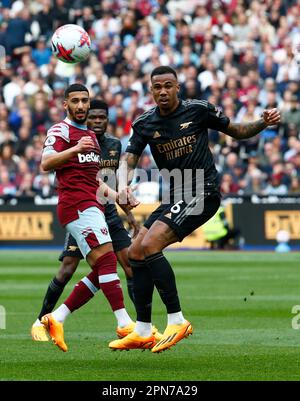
(178, 327)
(173, 334)
(122, 256)
(81, 294)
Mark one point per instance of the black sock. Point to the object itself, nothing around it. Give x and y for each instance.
(52, 295)
(143, 288)
(164, 280)
(130, 289)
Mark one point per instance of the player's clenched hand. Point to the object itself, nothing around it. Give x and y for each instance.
(271, 117)
(126, 198)
(85, 144)
(132, 201)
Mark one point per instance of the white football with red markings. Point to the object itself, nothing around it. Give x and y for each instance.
(71, 44)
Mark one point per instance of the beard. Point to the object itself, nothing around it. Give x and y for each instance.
(77, 120)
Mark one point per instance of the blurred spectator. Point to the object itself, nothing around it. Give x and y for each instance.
(7, 188)
(86, 18)
(228, 186)
(8, 158)
(296, 163)
(12, 89)
(60, 13)
(43, 185)
(25, 188)
(292, 116)
(268, 69)
(17, 28)
(23, 140)
(275, 186)
(39, 115)
(145, 46)
(45, 18)
(294, 148)
(107, 25)
(255, 182)
(41, 54)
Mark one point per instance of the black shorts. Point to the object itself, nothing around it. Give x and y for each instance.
(119, 235)
(181, 217)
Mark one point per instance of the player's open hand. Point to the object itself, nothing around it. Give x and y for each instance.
(85, 144)
(271, 116)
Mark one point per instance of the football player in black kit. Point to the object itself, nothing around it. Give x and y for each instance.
(70, 257)
(177, 133)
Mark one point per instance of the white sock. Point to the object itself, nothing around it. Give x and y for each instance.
(122, 317)
(61, 313)
(37, 323)
(176, 318)
(143, 329)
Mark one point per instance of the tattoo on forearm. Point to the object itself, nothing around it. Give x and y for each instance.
(245, 130)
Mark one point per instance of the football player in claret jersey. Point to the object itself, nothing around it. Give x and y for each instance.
(72, 150)
(110, 147)
(177, 133)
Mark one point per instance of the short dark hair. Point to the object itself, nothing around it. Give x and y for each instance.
(75, 88)
(163, 69)
(98, 104)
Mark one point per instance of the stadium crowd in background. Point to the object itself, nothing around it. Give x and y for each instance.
(236, 54)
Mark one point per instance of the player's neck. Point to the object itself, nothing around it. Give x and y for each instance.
(163, 112)
(75, 124)
(100, 137)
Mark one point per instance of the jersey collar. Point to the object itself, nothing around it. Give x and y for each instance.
(80, 126)
(100, 138)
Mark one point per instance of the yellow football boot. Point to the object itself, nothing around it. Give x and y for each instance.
(39, 333)
(173, 334)
(124, 331)
(133, 341)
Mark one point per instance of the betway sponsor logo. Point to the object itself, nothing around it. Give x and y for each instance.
(88, 158)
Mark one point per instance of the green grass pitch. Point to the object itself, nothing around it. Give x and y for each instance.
(240, 305)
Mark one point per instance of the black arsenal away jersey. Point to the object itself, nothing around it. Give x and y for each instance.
(180, 139)
(109, 163)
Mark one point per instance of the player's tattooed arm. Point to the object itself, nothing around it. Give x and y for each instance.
(248, 130)
(245, 130)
